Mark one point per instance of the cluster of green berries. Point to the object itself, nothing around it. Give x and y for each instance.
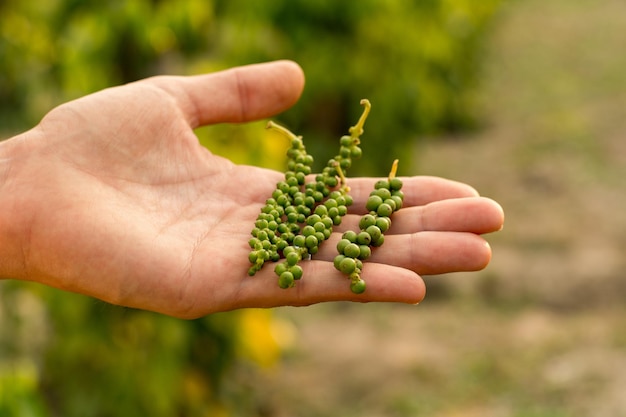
(278, 223)
(300, 215)
(355, 247)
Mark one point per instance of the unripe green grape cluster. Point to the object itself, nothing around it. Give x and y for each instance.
(299, 216)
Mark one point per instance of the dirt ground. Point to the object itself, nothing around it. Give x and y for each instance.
(542, 331)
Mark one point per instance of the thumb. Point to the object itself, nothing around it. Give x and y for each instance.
(236, 95)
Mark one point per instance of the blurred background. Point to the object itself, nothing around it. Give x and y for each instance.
(522, 99)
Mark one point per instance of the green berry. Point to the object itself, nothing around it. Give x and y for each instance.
(319, 226)
(352, 250)
(398, 193)
(292, 258)
(340, 200)
(338, 259)
(321, 210)
(311, 241)
(282, 228)
(384, 210)
(383, 223)
(398, 200)
(382, 193)
(331, 202)
(296, 271)
(381, 184)
(298, 200)
(347, 265)
(285, 280)
(318, 196)
(391, 202)
(378, 242)
(288, 237)
(373, 202)
(280, 246)
(366, 252)
(395, 184)
(313, 218)
(292, 181)
(374, 232)
(328, 223)
(331, 181)
(346, 141)
(335, 194)
(358, 287)
(282, 200)
(349, 235)
(253, 256)
(363, 238)
(280, 268)
(299, 241)
(366, 221)
(341, 245)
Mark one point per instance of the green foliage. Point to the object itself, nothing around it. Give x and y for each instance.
(53, 52)
(417, 62)
(69, 355)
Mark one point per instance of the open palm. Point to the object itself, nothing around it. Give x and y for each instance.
(112, 196)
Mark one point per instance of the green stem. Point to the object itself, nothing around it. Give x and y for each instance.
(284, 130)
(394, 169)
(357, 129)
(342, 178)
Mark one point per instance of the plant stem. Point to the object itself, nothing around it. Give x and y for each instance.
(284, 130)
(357, 129)
(394, 169)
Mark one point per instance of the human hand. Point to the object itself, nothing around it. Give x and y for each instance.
(112, 196)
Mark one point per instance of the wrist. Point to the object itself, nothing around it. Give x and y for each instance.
(13, 227)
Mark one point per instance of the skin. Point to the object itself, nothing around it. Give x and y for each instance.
(112, 196)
